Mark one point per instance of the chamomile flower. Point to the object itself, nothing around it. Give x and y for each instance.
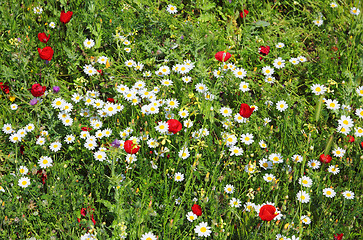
(38, 10)
(148, 236)
(172, 103)
(55, 146)
(100, 156)
(107, 132)
(179, 177)
(305, 219)
(191, 216)
(40, 141)
(358, 132)
(13, 106)
(236, 151)
(202, 230)
(348, 194)
(276, 158)
(24, 182)
(249, 207)
(23, 170)
(171, 9)
(14, 138)
(280, 45)
(201, 88)
(294, 61)
(76, 97)
(268, 177)
(333, 5)
(305, 181)
(303, 197)
(7, 128)
(226, 111)
(338, 152)
(281, 105)
(88, 43)
(243, 86)
(52, 24)
(229, 189)
(247, 138)
(262, 144)
(301, 59)
(265, 164)
(359, 90)
(267, 70)
(183, 113)
(102, 60)
(166, 82)
(346, 121)
(314, 164)
(333, 169)
(266, 121)
(318, 89)
(45, 162)
(69, 139)
(90, 145)
(30, 127)
(184, 153)
(318, 22)
(162, 127)
(240, 73)
(297, 158)
(130, 63)
(234, 202)
(238, 118)
(354, 11)
(344, 130)
(231, 140)
(165, 70)
(332, 104)
(279, 63)
(329, 192)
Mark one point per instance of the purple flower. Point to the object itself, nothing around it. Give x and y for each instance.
(56, 89)
(181, 37)
(33, 101)
(116, 143)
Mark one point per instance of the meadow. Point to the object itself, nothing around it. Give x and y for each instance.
(142, 119)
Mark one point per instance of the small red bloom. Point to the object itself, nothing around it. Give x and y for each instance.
(37, 90)
(22, 149)
(43, 37)
(338, 236)
(222, 56)
(4, 87)
(100, 71)
(351, 138)
(264, 50)
(83, 212)
(325, 158)
(86, 129)
(130, 147)
(93, 220)
(174, 125)
(66, 17)
(244, 13)
(46, 53)
(111, 100)
(267, 212)
(43, 175)
(197, 210)
(245, 110)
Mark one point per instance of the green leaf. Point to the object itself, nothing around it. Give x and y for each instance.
(261, 24)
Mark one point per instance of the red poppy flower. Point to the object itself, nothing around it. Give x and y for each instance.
(93, 220)
(100, 71)
(46, 53)
(325, 158)
(83, 212)
(43, 175)
(174, 125)
(264, 50)
(267, 212)
(43, 37)
(351, 138)
(222, 56)
(245, 110)
(5, 88)
(37, 90)
(197, 210)
(130, 147)
(66, 17)
(86, 129)
(244, 13)
(338, 236)
(111, 100)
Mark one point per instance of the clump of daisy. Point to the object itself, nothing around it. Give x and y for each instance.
(171, 9)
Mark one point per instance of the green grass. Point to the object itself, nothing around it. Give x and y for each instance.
(136, 198)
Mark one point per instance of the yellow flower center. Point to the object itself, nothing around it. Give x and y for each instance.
(24, 183)
(203, 229)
